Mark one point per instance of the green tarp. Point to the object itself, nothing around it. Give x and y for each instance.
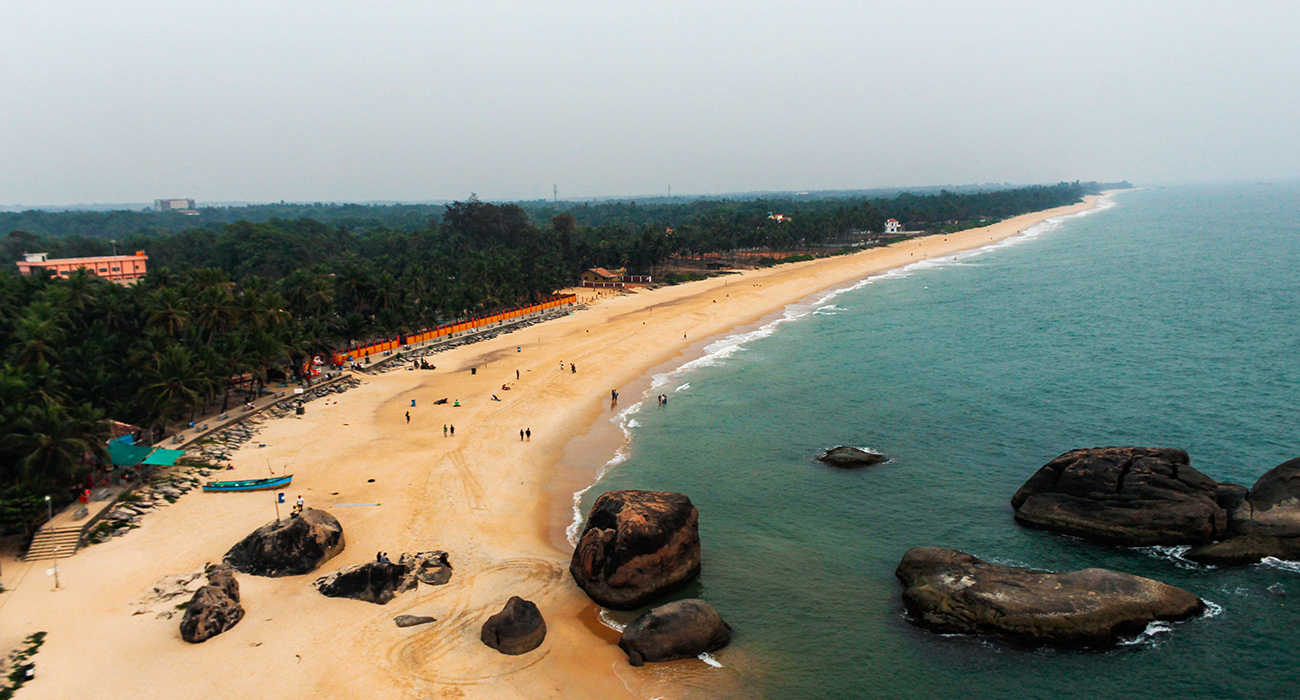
(164, 457)
(124, 455)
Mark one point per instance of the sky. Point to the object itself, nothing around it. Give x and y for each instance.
(405, 100)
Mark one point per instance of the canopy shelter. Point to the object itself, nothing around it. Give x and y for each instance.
(124, 455)
(163, 457)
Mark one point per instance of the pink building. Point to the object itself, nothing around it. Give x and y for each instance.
(123, 269)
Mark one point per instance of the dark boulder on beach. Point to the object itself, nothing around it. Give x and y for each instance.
(952, 592)
(682, 629)
(847, 457)
(517, 629)
(637, 545)
(289, 547)
(379, 582)
(214, 608)
(1136, 496)
(1264, 522)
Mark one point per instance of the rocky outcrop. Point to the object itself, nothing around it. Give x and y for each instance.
(1262, 522)
(847, 457)
(517, 629)
(379, 582)
(637, 545)
(214, 608)
(289, 547)
(1135, 496)
(679, 630)
(953, 592)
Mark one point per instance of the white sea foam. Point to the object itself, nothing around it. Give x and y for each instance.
(1212, 610)
(625, 422)
(708, 659)
(609, 621)
(1275, 563)
(683, 387)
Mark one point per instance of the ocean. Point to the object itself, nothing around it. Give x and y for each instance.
(1166, 317)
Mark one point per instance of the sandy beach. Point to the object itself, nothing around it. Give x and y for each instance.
(492, 501)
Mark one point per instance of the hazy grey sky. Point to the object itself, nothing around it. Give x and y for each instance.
(131, 100)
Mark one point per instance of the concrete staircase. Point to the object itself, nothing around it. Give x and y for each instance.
(54, 543)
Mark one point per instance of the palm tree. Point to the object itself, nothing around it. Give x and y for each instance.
(53, 443)
(165, 309)
(172, 384)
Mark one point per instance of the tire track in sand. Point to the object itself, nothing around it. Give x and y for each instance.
(416, 660)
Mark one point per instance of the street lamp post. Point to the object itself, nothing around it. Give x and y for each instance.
(49, 507)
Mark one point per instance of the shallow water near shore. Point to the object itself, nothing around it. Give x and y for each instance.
(1169, 318)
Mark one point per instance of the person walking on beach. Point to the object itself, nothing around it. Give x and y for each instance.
(444, 430)
(453, 431)
(573, 369)
(408, 416)
(529, 433)
(516, 374)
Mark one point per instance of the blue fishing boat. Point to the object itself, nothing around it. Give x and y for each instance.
(249, 484)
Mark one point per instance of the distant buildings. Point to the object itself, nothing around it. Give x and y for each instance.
(180, 206)
(122, 269)
(892, 226)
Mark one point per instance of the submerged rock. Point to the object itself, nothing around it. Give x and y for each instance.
(1137, 496)
(637, 545)
(949, 591)
(517, 629)
(289, 547)
(851, 457)
(214, 608)
(679, 630)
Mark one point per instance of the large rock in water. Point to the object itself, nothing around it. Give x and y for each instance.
(1262, 522)
(851, 457)
(214, 608)
(953, 592)
(637, 545)
(289, 547)
(517, 629)
(1135, 496)
(679, 630)
(378, 582)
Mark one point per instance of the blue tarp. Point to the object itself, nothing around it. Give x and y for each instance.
(164, 457)
(124, 455)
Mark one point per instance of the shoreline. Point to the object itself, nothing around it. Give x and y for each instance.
(484, 496)
(612, 438)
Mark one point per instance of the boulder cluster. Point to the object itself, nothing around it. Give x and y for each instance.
(381, 581)
(636, 547)
(1141, 496)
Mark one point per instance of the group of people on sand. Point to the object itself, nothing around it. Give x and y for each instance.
(297, 508)
(448, 430)
(572, 367)
(526, 434)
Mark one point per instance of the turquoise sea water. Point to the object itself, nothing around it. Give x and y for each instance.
(1170, 317)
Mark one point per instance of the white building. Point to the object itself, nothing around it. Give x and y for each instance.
(892, 226)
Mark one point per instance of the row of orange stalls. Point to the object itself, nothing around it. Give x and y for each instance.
(451, 329)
